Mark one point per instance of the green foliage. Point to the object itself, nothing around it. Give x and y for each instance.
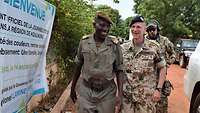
(118, 28)
(177, 17)
(126, 28)
(73, 20)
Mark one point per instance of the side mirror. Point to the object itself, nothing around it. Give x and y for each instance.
(178, 45)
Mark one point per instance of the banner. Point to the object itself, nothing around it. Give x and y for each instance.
(25, 29)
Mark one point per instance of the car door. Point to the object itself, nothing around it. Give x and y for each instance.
(178, 49)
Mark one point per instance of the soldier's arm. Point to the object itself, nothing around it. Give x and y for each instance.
(119, 70)
(161, 66)
(79, 62)
(171, 52)
(77, 71)
(119, 76)
(76, 75)
(118, 65)
(162, 77)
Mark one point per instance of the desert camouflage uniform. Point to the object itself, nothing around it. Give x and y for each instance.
(141, 79)
(167, 51)
(99, 64)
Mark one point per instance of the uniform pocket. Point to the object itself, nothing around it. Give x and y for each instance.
(86, 55)
(110, 56)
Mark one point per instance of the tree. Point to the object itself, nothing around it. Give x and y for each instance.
(177, 17)
(118, 27)
(127, 28)
(73, 20)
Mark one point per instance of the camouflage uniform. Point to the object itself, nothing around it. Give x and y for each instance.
(141, 64)
(167, 51)
(98, 67)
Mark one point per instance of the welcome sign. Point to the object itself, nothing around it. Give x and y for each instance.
(25, 30)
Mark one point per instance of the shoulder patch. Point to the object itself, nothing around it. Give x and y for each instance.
(114, 39)
(86, 37)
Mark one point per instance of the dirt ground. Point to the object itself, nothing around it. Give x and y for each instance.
(178, 102)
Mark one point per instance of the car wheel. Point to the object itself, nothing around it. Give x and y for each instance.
(196, 105)
(182, 61)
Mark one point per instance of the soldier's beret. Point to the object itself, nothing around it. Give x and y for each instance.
(137, 18)
(101, 15)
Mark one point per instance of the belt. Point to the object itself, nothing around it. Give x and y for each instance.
(98, 87)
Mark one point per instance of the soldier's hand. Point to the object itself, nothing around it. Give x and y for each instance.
(172, 60)
(73, 95)
(118, 106)
(156, 96)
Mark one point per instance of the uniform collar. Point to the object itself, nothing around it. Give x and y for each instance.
(91, 39)
(107, 40)
(132, 45)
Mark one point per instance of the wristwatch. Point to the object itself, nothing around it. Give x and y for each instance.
(159, 89)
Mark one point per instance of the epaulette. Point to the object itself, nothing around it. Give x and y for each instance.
(114, 39)
(85, 37)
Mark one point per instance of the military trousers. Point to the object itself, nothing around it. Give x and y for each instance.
(162, 105)
(138, 108)
(90, 101)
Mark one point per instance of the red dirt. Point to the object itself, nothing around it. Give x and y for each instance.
(178, 102)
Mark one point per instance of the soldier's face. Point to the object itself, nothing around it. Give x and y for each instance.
(138, 30)
(152, 32)
(101, 28)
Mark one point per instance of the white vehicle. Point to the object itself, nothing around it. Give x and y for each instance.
(192, 81)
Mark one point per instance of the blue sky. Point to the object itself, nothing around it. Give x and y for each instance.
(124, 6)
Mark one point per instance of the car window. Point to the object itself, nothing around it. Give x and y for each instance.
(190, 43)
